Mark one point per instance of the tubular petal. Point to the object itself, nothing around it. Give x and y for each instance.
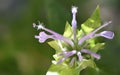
(106, 34)
(91, 53)
(43, 37)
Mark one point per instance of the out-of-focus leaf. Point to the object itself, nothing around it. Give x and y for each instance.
(93, 22)
(97, 47)
(87, 63)
(62, 69)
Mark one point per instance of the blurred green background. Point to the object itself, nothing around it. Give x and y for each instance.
(22, 54)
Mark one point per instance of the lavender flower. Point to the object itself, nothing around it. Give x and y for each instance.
(76, 50)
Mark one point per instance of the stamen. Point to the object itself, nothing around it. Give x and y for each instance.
(79, 56)
(74, 22)
(40, 26)
(104, 25)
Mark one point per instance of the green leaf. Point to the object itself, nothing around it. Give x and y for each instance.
(80, 33)
(97, 47)
(68, 31)
(91, 42)
(62, 69)
(55, 45)
(93, 22)
(86, 63)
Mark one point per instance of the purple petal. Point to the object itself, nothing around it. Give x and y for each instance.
(67, 55)
(61, 60)
(56, 36)
(91, 53)
(43, 37)
(59, 36)
(106, 34)
(85, 38)
(102, 26)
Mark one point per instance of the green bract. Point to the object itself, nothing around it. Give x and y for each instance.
(64, 68)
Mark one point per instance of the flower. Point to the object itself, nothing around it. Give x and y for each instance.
(78, 47)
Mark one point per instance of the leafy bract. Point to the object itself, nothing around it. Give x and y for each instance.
(68, 32)
(93, 22)
(55, 45)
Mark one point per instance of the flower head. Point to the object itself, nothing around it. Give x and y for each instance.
(78, 45)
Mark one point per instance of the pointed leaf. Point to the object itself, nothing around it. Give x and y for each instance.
(93, 22)
(68, 31)
(97, 47)
(55, 45)
(87, 63)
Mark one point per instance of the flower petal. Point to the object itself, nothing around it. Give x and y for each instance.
(67, 55)
(92, 34)
(106, 34)
(97, 56)
(56, 35)
(43, 37)
(72, 61)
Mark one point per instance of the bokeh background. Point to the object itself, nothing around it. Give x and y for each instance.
(22, 54)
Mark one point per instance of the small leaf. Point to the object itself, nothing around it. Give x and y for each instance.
(93, 22)
(91, 42)
(55, 45)
(97, 47)
(68, 31)
(87, 63)
(80, 33)
(62, 69)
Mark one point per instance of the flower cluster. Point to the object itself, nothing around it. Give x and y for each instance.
(76, 48)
